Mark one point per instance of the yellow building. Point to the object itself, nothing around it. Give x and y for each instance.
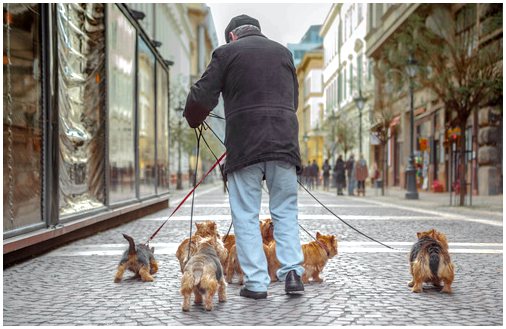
(310, 109)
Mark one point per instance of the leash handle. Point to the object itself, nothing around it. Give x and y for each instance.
(187, 196)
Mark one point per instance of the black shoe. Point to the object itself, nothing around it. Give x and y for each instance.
(293, 283)
(253, 294)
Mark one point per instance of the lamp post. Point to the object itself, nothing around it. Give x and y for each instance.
(360, 102)
(179, 177)
(412, 192)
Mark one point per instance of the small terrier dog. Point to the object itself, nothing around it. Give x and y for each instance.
(139, 259)
(203, 275)
(232, 265)
(430, 261)
(205, 229)
(316, 254)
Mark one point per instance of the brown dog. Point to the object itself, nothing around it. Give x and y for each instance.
(205, 229)
(203, 275)
(232, 264)
(430, 261)
(316, 254)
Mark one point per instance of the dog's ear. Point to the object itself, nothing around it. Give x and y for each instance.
(198, 225)
(418, 234)
(318, 235)
(433, 234)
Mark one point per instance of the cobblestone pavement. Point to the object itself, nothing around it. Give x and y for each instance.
(366, 284)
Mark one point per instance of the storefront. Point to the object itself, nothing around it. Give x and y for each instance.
(86, 109)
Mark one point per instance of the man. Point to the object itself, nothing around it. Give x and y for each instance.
(351, 174)
(257, 79)
(326, 175)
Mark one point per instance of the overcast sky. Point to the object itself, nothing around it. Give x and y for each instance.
(281, 22)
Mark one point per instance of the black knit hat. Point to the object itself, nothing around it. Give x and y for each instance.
(239, 21)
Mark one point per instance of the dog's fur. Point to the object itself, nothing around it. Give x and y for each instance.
(430, 261)
(232, 264)
(315, 257)
(139, 259)
(205, 229)
(203, 275)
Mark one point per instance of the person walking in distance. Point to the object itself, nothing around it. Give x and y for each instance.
(339, 170)
(315, 173)
(361, 174)
(326, 175)
(257, 79)
(350, 164)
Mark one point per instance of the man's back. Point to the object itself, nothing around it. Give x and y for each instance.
(258, 72)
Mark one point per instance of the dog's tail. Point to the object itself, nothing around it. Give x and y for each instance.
(197, 277)
(434, 252)
(131, 248)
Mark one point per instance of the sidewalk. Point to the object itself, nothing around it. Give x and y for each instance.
(492, 205)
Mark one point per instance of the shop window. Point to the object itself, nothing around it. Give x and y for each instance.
(81, 99)
(22, 116)
(121, 38)
(162, 130)
(146, 119)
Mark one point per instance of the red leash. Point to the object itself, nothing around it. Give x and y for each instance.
(187, 196)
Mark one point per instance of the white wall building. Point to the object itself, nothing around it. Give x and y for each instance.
(346, 68)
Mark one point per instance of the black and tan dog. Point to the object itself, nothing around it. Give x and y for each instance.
(203, 275)
(139, 259)
(430, 261)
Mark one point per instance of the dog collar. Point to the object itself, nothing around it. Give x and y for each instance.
(324, 248)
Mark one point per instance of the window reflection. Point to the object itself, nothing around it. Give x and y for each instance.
(22, 134)
(81, 103)
(146, 119)
(162, 109)
(121, 106)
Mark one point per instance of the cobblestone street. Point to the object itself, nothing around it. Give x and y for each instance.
(365, 284)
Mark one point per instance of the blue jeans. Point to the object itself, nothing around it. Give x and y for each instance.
(245, 188)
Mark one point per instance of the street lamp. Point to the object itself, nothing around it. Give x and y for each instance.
(412, 192)
(360, 102)
(179, 181)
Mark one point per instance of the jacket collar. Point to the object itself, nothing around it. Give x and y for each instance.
(249, 33)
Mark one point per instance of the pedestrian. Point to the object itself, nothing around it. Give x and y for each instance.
(350, 168)
(258, 82)
(339, 170)
(315, 174)
(361, 174)
(326, 175)
(308, 171)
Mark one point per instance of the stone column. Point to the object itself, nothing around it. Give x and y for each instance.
(489, 136)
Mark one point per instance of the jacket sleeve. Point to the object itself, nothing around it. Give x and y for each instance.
(295, 84)
(204, 94)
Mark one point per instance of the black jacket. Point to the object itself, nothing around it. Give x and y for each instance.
(259, 85)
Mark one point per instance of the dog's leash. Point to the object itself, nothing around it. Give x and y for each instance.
(188, 195)
(347, 224)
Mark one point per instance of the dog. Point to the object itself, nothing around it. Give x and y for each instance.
(232, 265)
(430, 261)
(139, 259)
(203, 275)
(205, 229)
(316, 254)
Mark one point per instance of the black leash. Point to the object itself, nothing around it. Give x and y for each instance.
(349, 225)
(221, 169)
(342, 220)
(199, 135)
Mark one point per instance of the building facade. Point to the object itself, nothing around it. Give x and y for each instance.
(435, 147)
(85, 121)
(311, 40)
(346, 75)
(310, 109)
